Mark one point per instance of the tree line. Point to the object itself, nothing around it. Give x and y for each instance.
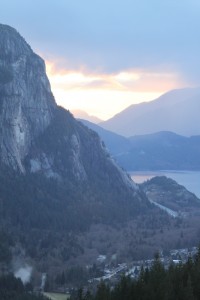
(178, 282)
(13, 288)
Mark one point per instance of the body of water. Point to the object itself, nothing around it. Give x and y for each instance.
(189, 179)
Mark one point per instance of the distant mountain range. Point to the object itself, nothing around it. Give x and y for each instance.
(115, 143)
(176, 111)
(81, 114)
(162, 151)
(159, 151)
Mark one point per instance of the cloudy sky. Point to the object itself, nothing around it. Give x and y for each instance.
(104, 55)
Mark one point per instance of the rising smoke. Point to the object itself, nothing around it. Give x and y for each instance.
(24, 273)
(43, 280)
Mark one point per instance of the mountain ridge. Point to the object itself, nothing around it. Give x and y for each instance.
(162, 150)
(174, 111)
(114, 142)
(81, 114)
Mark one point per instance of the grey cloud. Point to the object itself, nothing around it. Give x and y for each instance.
(112, 35)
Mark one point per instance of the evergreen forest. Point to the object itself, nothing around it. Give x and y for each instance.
(178, 282)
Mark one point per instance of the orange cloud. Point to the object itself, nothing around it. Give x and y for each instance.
(130, 80)
(103, 94)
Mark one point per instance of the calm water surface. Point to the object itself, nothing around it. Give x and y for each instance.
(189, 179)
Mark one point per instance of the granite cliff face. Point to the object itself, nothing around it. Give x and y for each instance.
(36, 135)
(26, 102)
(68, 149)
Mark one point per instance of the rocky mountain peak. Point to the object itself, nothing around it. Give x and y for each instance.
(12, 44)
(26, 102)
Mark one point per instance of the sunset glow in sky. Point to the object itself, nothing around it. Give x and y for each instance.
(103, 56)
(104, 95)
